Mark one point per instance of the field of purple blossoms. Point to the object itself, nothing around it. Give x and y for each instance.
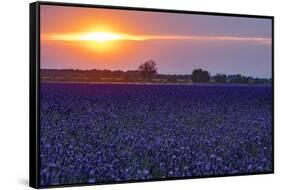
(93, 133)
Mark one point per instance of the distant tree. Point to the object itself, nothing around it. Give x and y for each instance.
(238, 79)
(262, 81)
(172, 78)
(220, 78)
(200, 76)
(148, 69)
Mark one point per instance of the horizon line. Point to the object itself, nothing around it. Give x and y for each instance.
(227, 74)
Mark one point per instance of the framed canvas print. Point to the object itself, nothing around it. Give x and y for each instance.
(120, 94)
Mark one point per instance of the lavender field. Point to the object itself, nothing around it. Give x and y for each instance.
(93, 133)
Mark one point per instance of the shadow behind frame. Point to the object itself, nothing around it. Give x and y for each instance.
(34, 90)
(34, 120)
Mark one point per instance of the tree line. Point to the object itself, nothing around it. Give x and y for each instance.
(149, 69)
(146, 72)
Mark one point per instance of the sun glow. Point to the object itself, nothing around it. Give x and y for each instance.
(92, 36)
(111, 36)
(105, 41)
(100, 36)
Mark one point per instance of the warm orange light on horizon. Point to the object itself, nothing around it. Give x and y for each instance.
(91, 36)
(105, 41)
(104, 36)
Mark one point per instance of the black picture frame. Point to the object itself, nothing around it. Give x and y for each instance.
(34, 86)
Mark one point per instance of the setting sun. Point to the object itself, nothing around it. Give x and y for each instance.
(100, 36)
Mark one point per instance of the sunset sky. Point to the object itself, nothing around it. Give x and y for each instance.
(90, 38)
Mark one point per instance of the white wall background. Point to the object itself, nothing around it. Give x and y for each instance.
(14, 75)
